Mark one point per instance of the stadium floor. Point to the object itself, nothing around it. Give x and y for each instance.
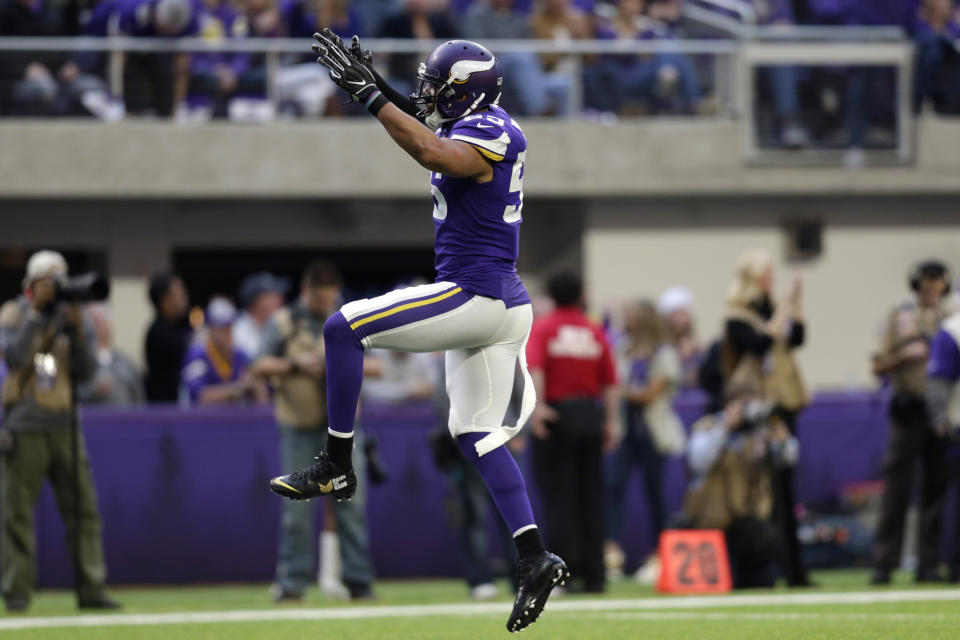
(841, 608)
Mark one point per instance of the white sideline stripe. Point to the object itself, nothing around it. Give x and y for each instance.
(473, 609)
(767, 617)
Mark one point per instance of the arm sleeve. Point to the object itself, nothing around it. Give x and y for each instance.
(608, 372)
(395, 97)
(746, 339)
(944, 360)
(194, 375)
(705, 448)
(485, 133)
(18, 341)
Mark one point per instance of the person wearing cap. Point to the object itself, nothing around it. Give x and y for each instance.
(903, 359)
(261, 294)
(675, 306)
(292, 357)
(48, 353)
(216, 372)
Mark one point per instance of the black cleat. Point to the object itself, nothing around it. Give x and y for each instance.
(323, 478)
(537, 577)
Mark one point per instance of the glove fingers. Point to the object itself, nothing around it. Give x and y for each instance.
(337, 53)
(332, 37)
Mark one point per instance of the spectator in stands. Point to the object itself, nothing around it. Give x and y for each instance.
(214, 371)
(292, 356)
(420, 19)
(675, 306)
(783, 79)
(304, 88)
(651, 372)
(261, 294)
(44, 83)
(116, 380)
(561, 22)
(938, 62)
(575, 420)
(903, 354)
(218, 77)
(731, 457)
(665, 82)
(167, 338)
(154, 83)
(760, 337)
(535, 92)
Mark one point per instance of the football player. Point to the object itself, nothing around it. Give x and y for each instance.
(478, 311)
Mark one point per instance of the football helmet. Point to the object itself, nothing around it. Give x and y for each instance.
(456, 79)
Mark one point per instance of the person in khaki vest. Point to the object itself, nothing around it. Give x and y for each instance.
(730, 456)
(760, 336)
(47, 350)
(902, 358)
(292, 357)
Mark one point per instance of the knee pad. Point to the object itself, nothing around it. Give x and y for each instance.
(336, 330)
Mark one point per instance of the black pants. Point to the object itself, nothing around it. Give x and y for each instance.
(954, 558)
(567, 466)
(148, 83)
(784, 517)
(911, 439)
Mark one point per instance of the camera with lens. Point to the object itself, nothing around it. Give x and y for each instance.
(86, 287)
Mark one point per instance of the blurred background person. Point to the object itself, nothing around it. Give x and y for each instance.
(534, 92)
(760, 337)
(48, 352)
(116, 380)
(902, 359)
(292, 357)
(261, 294)
(421, 20)
(943, 407)
(154, 83)
(561, 22)
(167, 338)
(651, 372)
(938, 61)
(576, 418)
(34, 83)
(731, 457)
(215, 371)
(675, 306)
(403, 377)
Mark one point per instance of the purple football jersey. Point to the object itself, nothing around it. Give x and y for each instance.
(944, 357)
(477, 225)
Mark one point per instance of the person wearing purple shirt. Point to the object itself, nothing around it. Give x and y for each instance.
(153, 83)
(214, 371)
(943, 406)
(938, 63)
(478, 311)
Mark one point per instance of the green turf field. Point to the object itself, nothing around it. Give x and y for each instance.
(841, 608)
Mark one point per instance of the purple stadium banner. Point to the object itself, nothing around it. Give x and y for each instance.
(184, 497)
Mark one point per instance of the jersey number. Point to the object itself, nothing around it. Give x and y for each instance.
(512, 212)
(439, 203)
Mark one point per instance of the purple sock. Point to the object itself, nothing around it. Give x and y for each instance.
(504, 481)
(344, 353)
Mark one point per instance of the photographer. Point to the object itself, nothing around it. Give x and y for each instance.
(902, 357)
(47, 351)
(731, 456)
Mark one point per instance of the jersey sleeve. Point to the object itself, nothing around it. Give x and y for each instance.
(488, 134)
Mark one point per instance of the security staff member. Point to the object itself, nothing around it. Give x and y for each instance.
(47, 350)
(575, 419)
(903, 358)
(292, 356)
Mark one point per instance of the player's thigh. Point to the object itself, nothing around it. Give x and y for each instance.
(480, 384)
(435, 317)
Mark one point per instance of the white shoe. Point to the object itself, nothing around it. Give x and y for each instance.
(486, 591)
(649, 573)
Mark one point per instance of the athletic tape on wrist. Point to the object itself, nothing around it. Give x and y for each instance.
(375, 102)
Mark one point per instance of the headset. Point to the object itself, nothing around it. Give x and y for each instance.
(928, 270)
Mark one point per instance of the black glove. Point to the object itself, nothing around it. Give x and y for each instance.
(364, 55)
(347, 71)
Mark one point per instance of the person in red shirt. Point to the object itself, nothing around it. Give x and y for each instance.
(575, 420)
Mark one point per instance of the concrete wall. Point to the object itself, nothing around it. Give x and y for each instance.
(353, 158)
(638, 249)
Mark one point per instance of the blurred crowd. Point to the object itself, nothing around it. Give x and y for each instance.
(606, 408)
(210, 84)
